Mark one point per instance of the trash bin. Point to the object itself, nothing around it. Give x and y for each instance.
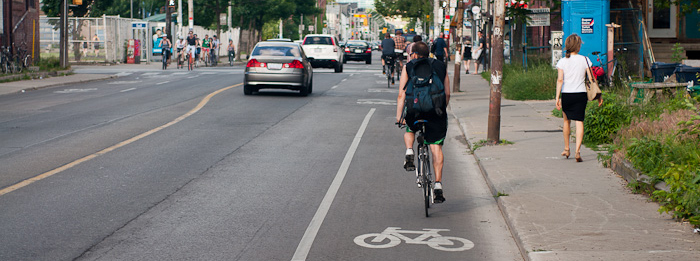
(685, 73)
(660, 70)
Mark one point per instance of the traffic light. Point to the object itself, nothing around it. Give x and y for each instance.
(78, 2)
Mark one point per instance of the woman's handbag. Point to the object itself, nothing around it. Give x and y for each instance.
(592, 88)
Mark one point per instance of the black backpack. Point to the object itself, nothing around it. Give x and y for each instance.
(424, 95)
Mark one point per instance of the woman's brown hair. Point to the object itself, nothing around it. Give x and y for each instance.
(573, 44)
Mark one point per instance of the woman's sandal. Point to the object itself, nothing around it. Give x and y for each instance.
(578, 157)
(566, 153)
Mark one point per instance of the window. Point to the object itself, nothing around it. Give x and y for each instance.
(277, 51)
(318, 40)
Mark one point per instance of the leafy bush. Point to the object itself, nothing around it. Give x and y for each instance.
(601, 123)
(683, 197)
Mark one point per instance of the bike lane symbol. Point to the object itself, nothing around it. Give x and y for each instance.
(392, 236)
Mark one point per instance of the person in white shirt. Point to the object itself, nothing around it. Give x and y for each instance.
(571, 95)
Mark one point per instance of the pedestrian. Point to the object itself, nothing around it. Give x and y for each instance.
(467, 54)
(96, 42)
(571, 95)
(480, 53)
(440, 48)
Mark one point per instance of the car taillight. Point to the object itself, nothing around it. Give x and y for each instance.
(369, 50)
(347, 50)
(255, 63)
(294, 64)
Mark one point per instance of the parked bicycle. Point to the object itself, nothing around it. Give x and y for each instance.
(608, 73)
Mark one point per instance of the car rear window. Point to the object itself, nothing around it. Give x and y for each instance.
(318, 40)
(277, 51)
(357, 44)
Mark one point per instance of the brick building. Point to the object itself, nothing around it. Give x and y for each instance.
(20, 25)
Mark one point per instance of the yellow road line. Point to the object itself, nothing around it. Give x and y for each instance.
(50, 173)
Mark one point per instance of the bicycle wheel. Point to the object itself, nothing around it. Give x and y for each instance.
(388, 75)
(425, 179)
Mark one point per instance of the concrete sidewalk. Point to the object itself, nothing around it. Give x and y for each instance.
(556, 208)
(26, 85)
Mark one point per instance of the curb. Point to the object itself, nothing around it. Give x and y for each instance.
(494, 192)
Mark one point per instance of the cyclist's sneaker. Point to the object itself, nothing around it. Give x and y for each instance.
(383, 70)
(392, 80)
(438, 193)
(408, 162)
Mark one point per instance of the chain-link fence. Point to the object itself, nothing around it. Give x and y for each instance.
(105, 39)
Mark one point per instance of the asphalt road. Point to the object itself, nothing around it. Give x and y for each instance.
(158, 165)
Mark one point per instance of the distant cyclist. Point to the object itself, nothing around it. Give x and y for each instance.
(180, 45)
(436, 125)
(388, 48)
(206, 46)
(191, 45)
(165, 46)
(400, 43)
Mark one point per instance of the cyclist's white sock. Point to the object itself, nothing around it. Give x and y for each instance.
(409, 151)
(438, 185)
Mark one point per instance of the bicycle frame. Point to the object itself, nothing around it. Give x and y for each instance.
(422, 238)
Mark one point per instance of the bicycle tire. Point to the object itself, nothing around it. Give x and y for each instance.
(437, 243)
(388, 75)
(427, 186)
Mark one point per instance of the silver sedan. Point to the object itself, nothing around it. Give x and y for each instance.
(278, 65)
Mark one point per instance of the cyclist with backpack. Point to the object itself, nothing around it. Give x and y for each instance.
(424, 92)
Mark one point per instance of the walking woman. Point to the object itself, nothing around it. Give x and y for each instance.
(571, 95)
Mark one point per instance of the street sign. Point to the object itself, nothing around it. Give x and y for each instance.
(538, 17)
(138, 25)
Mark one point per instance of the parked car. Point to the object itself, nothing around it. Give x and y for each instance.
(356, 50)
(375, 45)
(278, 65)
(324, 51)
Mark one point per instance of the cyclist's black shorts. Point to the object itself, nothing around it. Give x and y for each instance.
(388, 56)
(435, 128)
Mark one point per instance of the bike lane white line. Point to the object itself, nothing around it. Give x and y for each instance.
(312, 230)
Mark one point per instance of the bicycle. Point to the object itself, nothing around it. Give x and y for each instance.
(165, 59)
(389, 69)
(180, 59)
(206, 54)
(213, 60)
(231, 57)
(423, 168)
(615, 75)
(190, 62)
(398, 64)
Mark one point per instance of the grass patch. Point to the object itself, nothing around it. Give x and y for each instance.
(538, 83)
(500, 194)
(483, 143)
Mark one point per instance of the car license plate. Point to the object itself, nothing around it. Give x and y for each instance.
(318, 50)
(358, 51)
(274, 66)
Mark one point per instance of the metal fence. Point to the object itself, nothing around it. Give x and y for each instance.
(104, 39)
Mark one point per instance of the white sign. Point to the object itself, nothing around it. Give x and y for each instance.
(138, 25)
(538, 17)
(556, 42)
(392, 236)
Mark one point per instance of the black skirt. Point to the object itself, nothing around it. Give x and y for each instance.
(574, 105)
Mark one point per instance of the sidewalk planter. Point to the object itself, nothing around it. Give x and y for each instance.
(660, 70)
(686, 73)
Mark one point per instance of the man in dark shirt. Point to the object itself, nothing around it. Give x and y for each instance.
(388, 47)
(436, 127)
(440, 48)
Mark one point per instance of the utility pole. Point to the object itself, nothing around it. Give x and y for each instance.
(64, 34)
(494, 126)
(458, 42)
(131, 11)
(179, 16)
(190, 14)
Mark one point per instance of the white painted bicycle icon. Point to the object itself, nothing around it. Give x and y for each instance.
(392, 237)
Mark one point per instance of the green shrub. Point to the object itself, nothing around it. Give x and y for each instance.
(601, 123)
(49, 64)
(683, 197)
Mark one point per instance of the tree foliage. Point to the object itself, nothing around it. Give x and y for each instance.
(404, 8)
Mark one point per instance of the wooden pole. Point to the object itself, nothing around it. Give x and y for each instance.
(494, 124)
